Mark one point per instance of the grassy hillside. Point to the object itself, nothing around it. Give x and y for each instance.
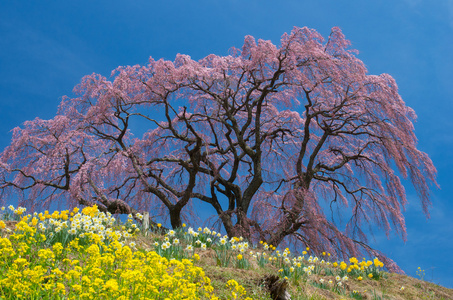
(90, 255)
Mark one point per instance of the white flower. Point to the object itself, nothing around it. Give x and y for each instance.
(175, 241)
(203, 246)
(189, 247)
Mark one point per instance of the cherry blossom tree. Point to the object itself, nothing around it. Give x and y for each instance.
(284, 142)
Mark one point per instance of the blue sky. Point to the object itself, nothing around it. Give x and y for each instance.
(46, 47)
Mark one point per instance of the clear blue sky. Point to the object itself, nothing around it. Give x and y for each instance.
(47, 46)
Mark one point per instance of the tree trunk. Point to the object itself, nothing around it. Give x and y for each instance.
(242, 227)
(175, 217)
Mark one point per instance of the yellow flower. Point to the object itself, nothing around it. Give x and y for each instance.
(370, 275)
(359, 278)
(60, 288)
(77, 288)
(239, 257)
(57, 248)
